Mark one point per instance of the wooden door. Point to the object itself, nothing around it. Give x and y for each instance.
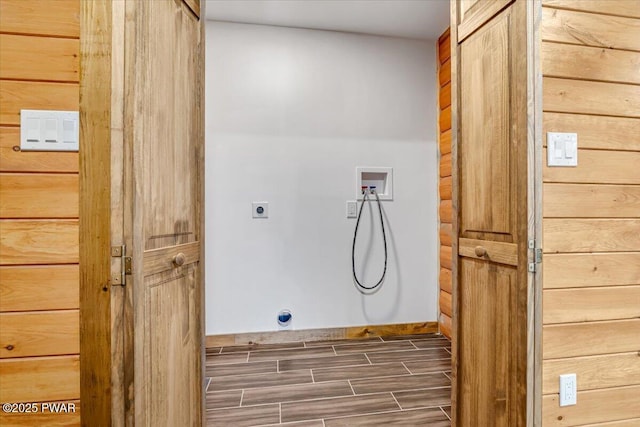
(147, 59)
(492, 201)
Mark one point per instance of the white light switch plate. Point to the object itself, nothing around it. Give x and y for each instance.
(562, 149)
(352, 209)
(48, 130)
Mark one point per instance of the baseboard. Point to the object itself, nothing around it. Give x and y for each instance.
(276, 337)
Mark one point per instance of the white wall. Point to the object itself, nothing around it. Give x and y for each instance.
(290, 114)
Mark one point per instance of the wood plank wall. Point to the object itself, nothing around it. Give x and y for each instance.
(445, 211)
(39, 322)
(590, 55)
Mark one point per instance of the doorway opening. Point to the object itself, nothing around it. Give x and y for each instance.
(295, 108)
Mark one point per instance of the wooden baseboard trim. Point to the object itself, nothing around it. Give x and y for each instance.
(351, 332)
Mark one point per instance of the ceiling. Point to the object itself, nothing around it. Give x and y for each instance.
(421, 19)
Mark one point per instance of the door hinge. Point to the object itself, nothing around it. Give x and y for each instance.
(125, 265)
(536, 256)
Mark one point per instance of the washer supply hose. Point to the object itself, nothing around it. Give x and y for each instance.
(355, 236)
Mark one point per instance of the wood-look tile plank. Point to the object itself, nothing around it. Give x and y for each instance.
(257, 356)
(260, 380)
(373, 347)
(341, 341)
(433, 343)
(432, 417)
(245, 416)
(258, 346)
(400, 383)
(242, 368)
(355, 372)
(411, 337)
(291, 393)
(423, 398)
(323, 362)
(223, 399)
(425, 366)
(314, 423)
(223, 359)
(337, 407)
(409, 355)
(447, 410)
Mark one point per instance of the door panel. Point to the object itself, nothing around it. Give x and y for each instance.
(491, 119)
(485, 145)
(170, 344)
(166, 130)
(474, 13)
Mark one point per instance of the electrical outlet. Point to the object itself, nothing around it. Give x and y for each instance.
(568, 390)
(260, 209)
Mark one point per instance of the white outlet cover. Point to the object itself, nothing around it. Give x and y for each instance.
(562, 149)
(568, 390)
(257, 212)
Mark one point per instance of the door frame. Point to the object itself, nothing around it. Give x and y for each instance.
(97, 345)
(534, 206)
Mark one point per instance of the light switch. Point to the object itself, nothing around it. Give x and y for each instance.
(562, 149)
(48, 130)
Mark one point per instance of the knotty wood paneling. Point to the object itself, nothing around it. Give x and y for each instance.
(591, 200)
(590, 338)
(599, 132)
(39, 195)
(590, 55)
(38, 242)
(30, 95)
(30, 17)
(608, 65)
(39, 333)
(598, 167)
(14, 160)
(594, 406)
(591, 269)
(49, 419)
(55, 285)
(626, 8)
(39, 69)
(590, 29)
(589, 304)
(26, 57)
(445, 190)
(585, 97)
(38, 379)
(622, 369)
(591, 235)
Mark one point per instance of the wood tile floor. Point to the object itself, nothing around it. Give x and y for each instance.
(394, 381)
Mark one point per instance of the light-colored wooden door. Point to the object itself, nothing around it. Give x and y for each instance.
(491, 149)
(148, 60)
